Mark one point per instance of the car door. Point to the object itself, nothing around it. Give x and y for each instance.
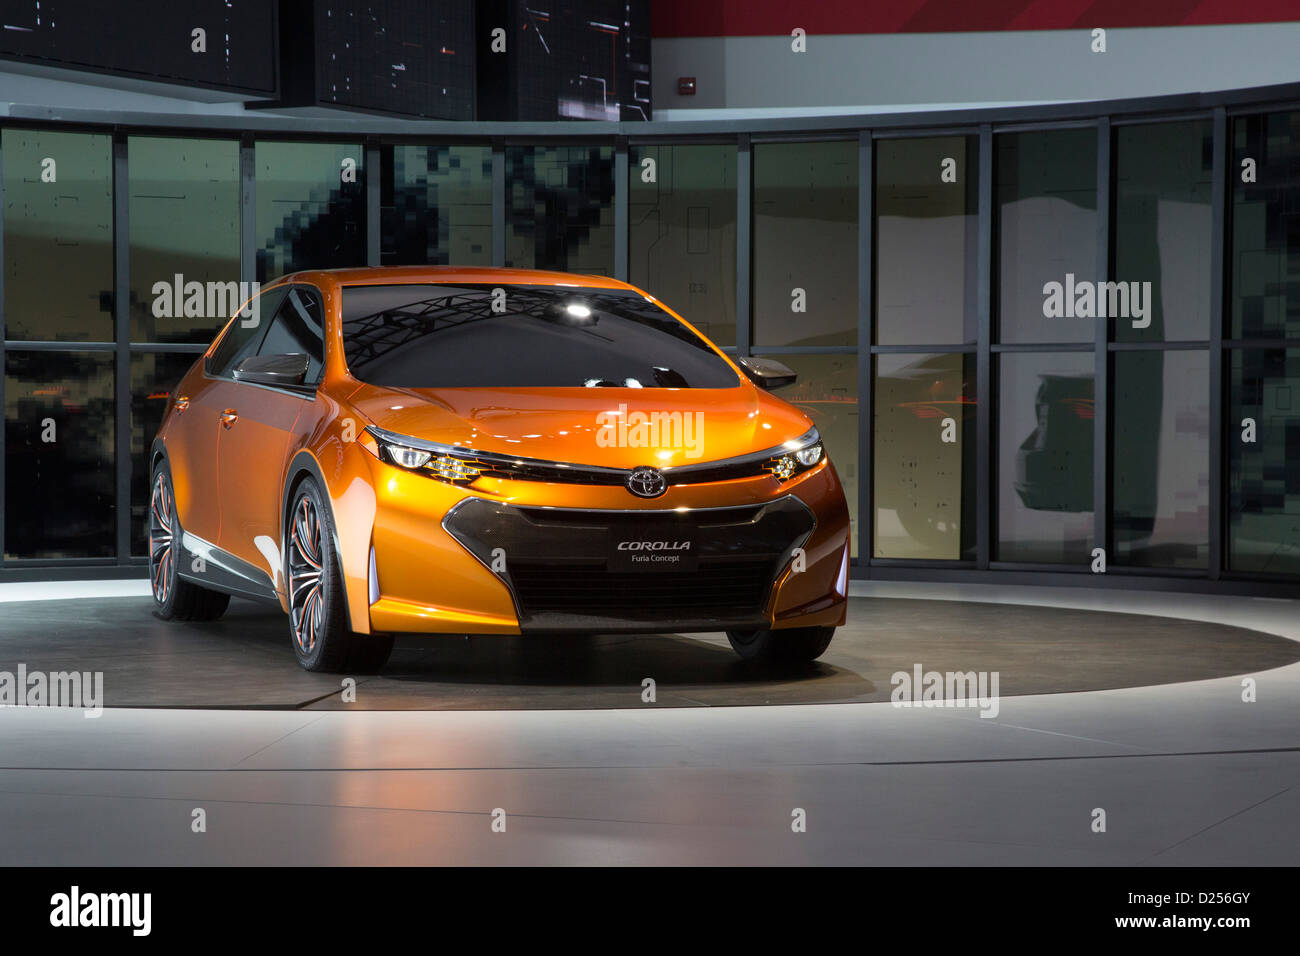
(193, 439)
(259, 433)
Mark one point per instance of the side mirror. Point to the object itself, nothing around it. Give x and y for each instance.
(277, 370)
(767, 373)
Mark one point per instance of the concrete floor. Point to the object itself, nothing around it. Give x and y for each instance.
(1187, 772)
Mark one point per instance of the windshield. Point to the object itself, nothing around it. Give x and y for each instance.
(465, 336)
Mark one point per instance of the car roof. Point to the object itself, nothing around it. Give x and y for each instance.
(392, 275)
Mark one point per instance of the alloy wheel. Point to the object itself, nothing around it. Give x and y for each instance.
(306, 599)
(162, 554)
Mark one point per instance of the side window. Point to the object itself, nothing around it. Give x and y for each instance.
(298, 328)
(244, 335)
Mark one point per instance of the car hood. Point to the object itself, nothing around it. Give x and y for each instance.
(610, 427)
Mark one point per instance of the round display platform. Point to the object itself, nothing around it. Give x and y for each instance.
(244, 660)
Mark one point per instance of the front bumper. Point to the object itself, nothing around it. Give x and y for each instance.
(512, 557)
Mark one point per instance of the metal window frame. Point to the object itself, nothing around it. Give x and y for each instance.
(865, 129)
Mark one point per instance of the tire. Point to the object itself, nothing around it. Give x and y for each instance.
(318, 615)
(174, 598)
(790, 646)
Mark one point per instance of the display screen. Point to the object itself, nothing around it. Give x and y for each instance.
(149, 39)
(414, 57)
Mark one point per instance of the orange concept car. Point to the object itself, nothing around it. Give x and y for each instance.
(443, 450)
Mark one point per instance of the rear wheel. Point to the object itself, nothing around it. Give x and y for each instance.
(790, 645)
(174, 597)
(318, 615)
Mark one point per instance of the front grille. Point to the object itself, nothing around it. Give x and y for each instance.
(559, 562)
(718, 588)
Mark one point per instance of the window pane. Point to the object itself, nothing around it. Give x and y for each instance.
(153, 376)
(927, 215)
(245, 333)
(184, 225)
(58, 236)
(59, 472)
(1045, 457)
(827, 391)
(805, 238)
(1265, 227)
(1046, 189)
(923, 483)
(437, 206)
(682, 237)
(311, 207)
(560, 208)
(1163, 175)
(1161, 455)
(1264, 482)
(298, 329)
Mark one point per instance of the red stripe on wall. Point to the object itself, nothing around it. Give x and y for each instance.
(697, 18)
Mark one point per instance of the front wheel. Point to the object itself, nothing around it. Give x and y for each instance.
(790, 645)
(318, 614)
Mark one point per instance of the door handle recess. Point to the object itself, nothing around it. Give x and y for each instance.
(229, 417)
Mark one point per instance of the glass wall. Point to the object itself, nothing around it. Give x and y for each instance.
(436, 205)
(1262, 431)
(1160, 439)
(1045, 453)
(560, 208)
(183, 217)
(311, 207)
(1053, 272)
(682, 232)
(59, 454)
(1163, 179)
(927, 205)
(58, 235)
(805, 242)
(1045, 185)
(1264, 480)
(827, 392)
(923, 482)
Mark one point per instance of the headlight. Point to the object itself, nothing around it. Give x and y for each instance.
(446, 466)
(797, 460)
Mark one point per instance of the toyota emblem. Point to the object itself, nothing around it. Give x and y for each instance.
(647, 482)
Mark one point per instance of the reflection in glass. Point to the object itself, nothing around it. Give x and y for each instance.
(805, 260)
(1161, 458)
(311, 207)
(59, 474)
(1263, 477)
(1045, 427)
(927, 206)
(437, 206)
(153, 376)
(827, 392)
(1163, 175)
(58, 235)
(1046, 189)
(184, 220)
(560, 208)
(923, 486)
(1265, 252)
(682, 236)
